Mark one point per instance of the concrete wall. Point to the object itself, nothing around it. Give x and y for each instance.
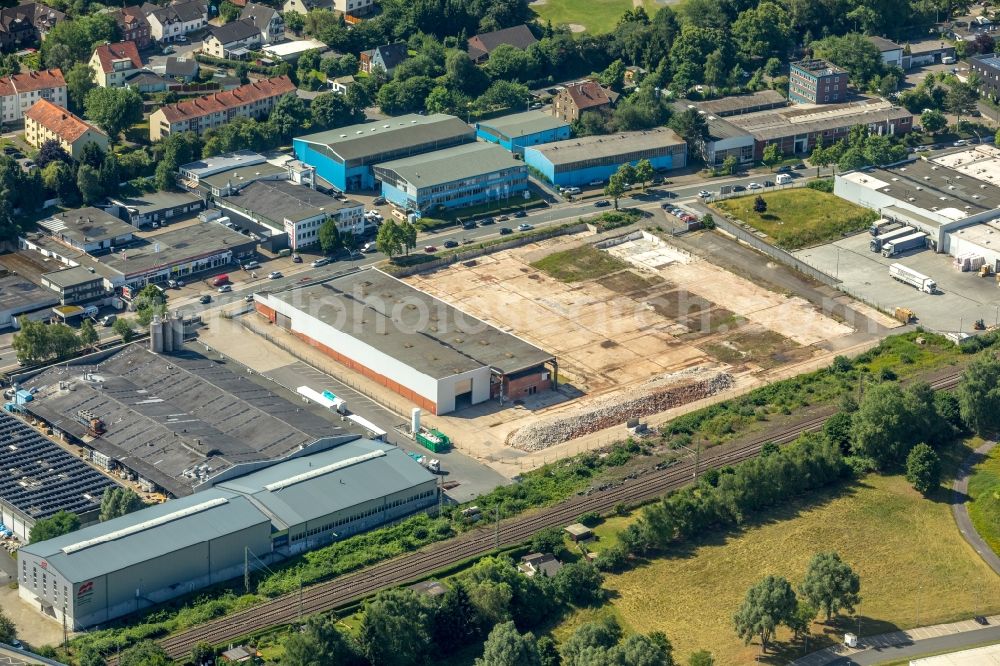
(449, 386)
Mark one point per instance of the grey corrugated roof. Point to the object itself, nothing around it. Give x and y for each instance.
(366, 304)
(236, 514)
(87, 225)
(278, 200)
(402, 133)
(607, 145)
(70, 277)
(451, 164)
(528, 122)
(335, 490)
(18, 294)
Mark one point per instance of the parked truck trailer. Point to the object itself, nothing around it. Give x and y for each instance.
(912, 278)
(883, 225)
(913, 241)
(876, 243)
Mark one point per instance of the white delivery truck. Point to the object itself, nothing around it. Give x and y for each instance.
(912, 278)
(783, 179)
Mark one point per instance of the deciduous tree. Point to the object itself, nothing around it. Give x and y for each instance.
(831, 585)
(505, 646)
(768, 604)
(923, 468)
(59, 523)
(395, 629)
(114, 109)
(979, 394)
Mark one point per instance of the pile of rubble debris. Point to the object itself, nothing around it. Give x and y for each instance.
(656, 395)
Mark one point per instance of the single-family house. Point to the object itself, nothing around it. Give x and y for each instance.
(114, 63)
(168, 24)
(518, 36)
(26, 24)
(233, 40)
(386, 57)
(267, 20)
(134, 26)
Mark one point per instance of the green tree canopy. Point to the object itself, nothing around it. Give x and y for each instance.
(395, 630)
(146, 653)
(62, 522)
(8, 631)
(118, 501)
(321, 643)
(923, 468)
(389, 239)
(329, 236)
(768, 604)
(114, 109)
(505, 646)
(979, 394)
(831, 585)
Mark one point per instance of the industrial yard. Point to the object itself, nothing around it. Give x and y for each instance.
(652, 335)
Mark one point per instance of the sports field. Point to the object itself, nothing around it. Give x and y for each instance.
(915, 570)
(593, 16)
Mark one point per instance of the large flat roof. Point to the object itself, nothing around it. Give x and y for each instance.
(941, 191)
(278, 200)
(608, 145)
(173, 247)
(39, 478)
(357, 142)
(242, 173)
(456, 163)
(212, 165)
(281, 495)
(86, 225)
(19, 294)
(148, 202)
(432, 336)
(143, 538)
(805, 118)
(357, 474)
(70, 277)
(725, 106)
(528, 122)
(167, 415)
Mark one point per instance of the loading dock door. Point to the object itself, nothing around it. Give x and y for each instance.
(463, 393)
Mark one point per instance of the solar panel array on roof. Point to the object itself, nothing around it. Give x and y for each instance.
(39, 478)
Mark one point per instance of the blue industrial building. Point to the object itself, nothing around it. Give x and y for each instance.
(590, 159)
(456, 177)
(516, 131)
(345, 156)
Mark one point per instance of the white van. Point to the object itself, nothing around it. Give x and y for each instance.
(783, 179)
(947, 60)
(571, 191)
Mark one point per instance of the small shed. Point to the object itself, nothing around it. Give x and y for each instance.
(241, 654)
(579, 532)
(429, 588)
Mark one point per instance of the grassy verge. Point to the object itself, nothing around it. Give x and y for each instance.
(799, 217)
(984, 509)
(915, 569)
(580, 263)
(596, 16)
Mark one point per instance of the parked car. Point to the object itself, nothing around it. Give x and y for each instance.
(451, 243)
(601, 203)
(322, 261)
(738, 188)
(521, 213)
(524, 227)
(296, 259)
(704, 194)
(504, 231)
(108, 320)
(784, 169)
(225, 289)
(248, 298)
(205, 298)
(753, 186)
(172, 284)
(486, 221)
(220, 280)
(378, 201)
(502, 218)
(274, 275)
(469, 224)
(960, 142)
(430, 249)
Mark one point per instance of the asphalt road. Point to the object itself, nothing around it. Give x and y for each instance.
(954, 642)
(960, 509)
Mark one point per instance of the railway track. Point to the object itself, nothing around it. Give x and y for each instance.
(406, 568)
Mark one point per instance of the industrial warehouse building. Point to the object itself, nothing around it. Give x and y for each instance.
(952, 198)
(124, 565)
(466, 175)
(434, 355)
(516, 131)
(38, 478)
(594, 158)
(173, 421)
(344, 157)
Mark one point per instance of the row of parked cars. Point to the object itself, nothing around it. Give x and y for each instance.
(679, 213)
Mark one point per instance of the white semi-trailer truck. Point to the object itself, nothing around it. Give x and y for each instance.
(913, 278)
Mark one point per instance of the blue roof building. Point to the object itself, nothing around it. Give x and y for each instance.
(457, 177)
(591, 159)
(345, 156)
(518, 130)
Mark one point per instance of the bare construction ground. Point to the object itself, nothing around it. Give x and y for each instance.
(657, 315)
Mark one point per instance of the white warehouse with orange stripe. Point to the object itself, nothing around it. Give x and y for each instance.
(253, 513)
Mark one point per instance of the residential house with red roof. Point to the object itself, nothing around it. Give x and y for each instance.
(19, 92)
(134, 26)
(253, 100)
(46, 121)
(113, 63)
(576, 98)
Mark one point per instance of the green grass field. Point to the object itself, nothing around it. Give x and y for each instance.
(984, 509)
(580, 263)
(915, 570)
(596, 16)
(799, 217)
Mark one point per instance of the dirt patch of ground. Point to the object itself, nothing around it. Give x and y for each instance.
(623, 329)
